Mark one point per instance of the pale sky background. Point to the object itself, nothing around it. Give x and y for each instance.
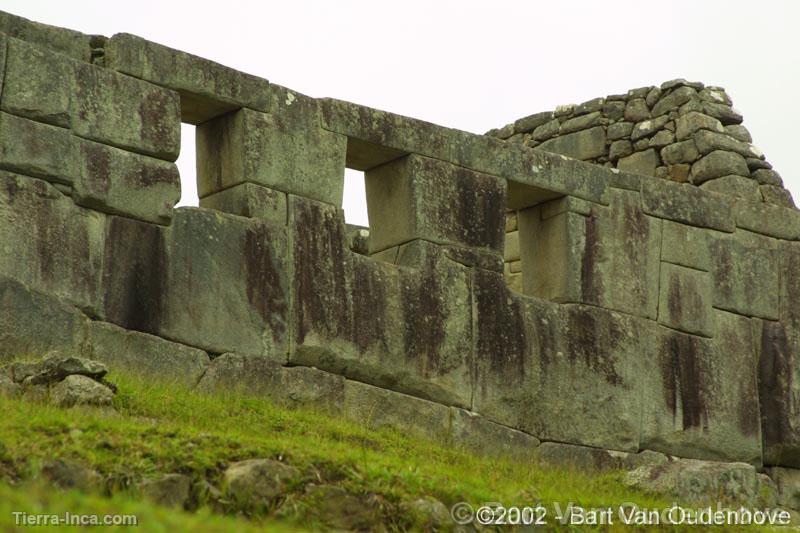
(478, 65)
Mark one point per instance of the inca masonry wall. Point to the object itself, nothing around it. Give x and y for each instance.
(652, 314)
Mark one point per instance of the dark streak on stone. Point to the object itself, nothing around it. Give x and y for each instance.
(590, 284)
(594, 335)
(320, 272)
(775, 385)
(263, 282)
(134, 272)
(369, 303)
(683, 379)
(424, 317)
(501, 338)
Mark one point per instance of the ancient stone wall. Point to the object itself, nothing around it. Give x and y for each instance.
(653, 314)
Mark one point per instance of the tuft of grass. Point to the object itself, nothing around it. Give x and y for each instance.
(160, 428)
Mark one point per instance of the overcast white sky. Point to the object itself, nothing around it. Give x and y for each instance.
(479, 65)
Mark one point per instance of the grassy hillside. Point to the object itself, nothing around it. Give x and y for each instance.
(163, 429)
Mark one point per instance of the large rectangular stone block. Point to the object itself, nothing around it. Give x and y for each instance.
(124, 183)
(746, 274)
(700, 396)
(379, 408)
(561, 373)
(37, 149)
(771, 220)
(688, 204)
(249, 200)
(686, 245)
(420, 198)
(283, 152)
(68, 42)
(49, 243)
(132, 353)
(207, 89)
(32, 324)
(406, 329)
(38, 83)
(125, 112)
(685, 300)
(214, 281)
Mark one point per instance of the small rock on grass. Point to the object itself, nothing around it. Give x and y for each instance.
(256, 483)
(80, 390)
(169, 490)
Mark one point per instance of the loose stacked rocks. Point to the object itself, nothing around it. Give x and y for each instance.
(681, 131)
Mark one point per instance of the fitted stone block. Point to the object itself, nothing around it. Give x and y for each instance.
(687, 245)
(64, 41)
(282, 153)
(474, 433)
(586, 144)
(746, 276)
(125, 112)
(38, 83)
(378, 408)
(421, 198)
(700, 398)
(214, 281)
(124, 183)
(48, 243)
(560, 373)
(33, 324)
(778, 345)
(207, 89)
(37, 149)
(779, 396)
(687, 204)
(249, 200)
(132, 353)
(404, 328)
(685, 300)
(771, 220)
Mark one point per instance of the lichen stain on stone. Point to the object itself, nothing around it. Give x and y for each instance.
(135, 275)
(684, 380)
(501, 337)
(369, 304)
(591, 285)
(424, 316)
(594, 337)
(320, 283)
(775, 384)
(263, 282)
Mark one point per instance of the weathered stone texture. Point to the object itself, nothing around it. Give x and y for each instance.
(38, 83)
(33, 324)
(250, 200)
(123, 183)
(49, 243)
(145, 355)
(37, 149)
(115, 109)
(700, 401)
(402, 328)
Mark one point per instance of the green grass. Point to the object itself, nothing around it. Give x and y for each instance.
(164, 429)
